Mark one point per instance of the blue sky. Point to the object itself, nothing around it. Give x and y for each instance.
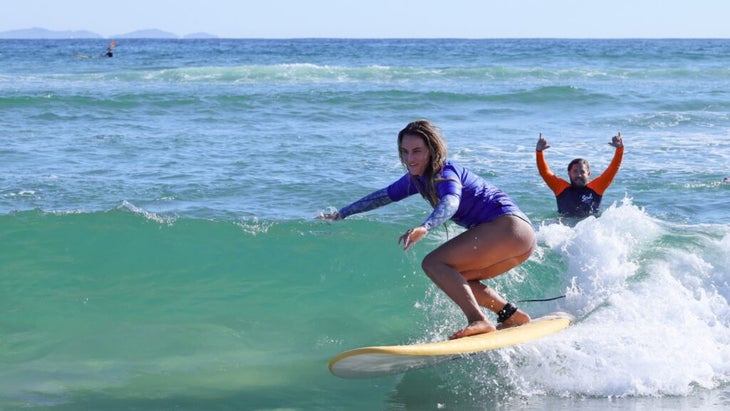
(379, 18)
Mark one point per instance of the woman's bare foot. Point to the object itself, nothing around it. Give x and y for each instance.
(475, 328)
(518, 318)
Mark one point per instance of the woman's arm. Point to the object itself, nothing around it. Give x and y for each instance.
(369, 202)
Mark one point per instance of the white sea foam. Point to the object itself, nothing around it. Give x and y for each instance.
(652, 314)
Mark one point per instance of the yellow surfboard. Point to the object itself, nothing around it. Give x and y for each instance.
(394, 359)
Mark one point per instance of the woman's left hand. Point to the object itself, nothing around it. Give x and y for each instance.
(412, 236)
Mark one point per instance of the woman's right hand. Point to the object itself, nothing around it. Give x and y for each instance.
(333, 216)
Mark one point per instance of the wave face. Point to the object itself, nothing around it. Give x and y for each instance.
(125, 304)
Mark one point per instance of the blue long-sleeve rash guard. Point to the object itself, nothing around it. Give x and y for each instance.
(464, 197)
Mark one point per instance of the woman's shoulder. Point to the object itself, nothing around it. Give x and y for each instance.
(454, 172)
(451, 167)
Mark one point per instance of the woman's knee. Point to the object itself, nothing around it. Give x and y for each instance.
(430, 264)
(427, 264)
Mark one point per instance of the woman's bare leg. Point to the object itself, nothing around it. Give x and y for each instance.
(481, 252)
(490, 299)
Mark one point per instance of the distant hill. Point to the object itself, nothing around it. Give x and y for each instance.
(41, 33)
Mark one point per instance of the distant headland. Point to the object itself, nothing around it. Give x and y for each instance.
(41, 33)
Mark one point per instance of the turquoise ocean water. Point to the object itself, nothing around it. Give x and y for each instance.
(158, 247)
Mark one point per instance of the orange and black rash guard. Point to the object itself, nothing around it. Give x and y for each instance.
(579, 201)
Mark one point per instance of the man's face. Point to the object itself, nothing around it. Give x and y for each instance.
(579, 174)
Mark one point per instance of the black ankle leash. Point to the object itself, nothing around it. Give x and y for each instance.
(541, 299)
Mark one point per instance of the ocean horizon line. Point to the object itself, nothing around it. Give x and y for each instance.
(39, 33)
